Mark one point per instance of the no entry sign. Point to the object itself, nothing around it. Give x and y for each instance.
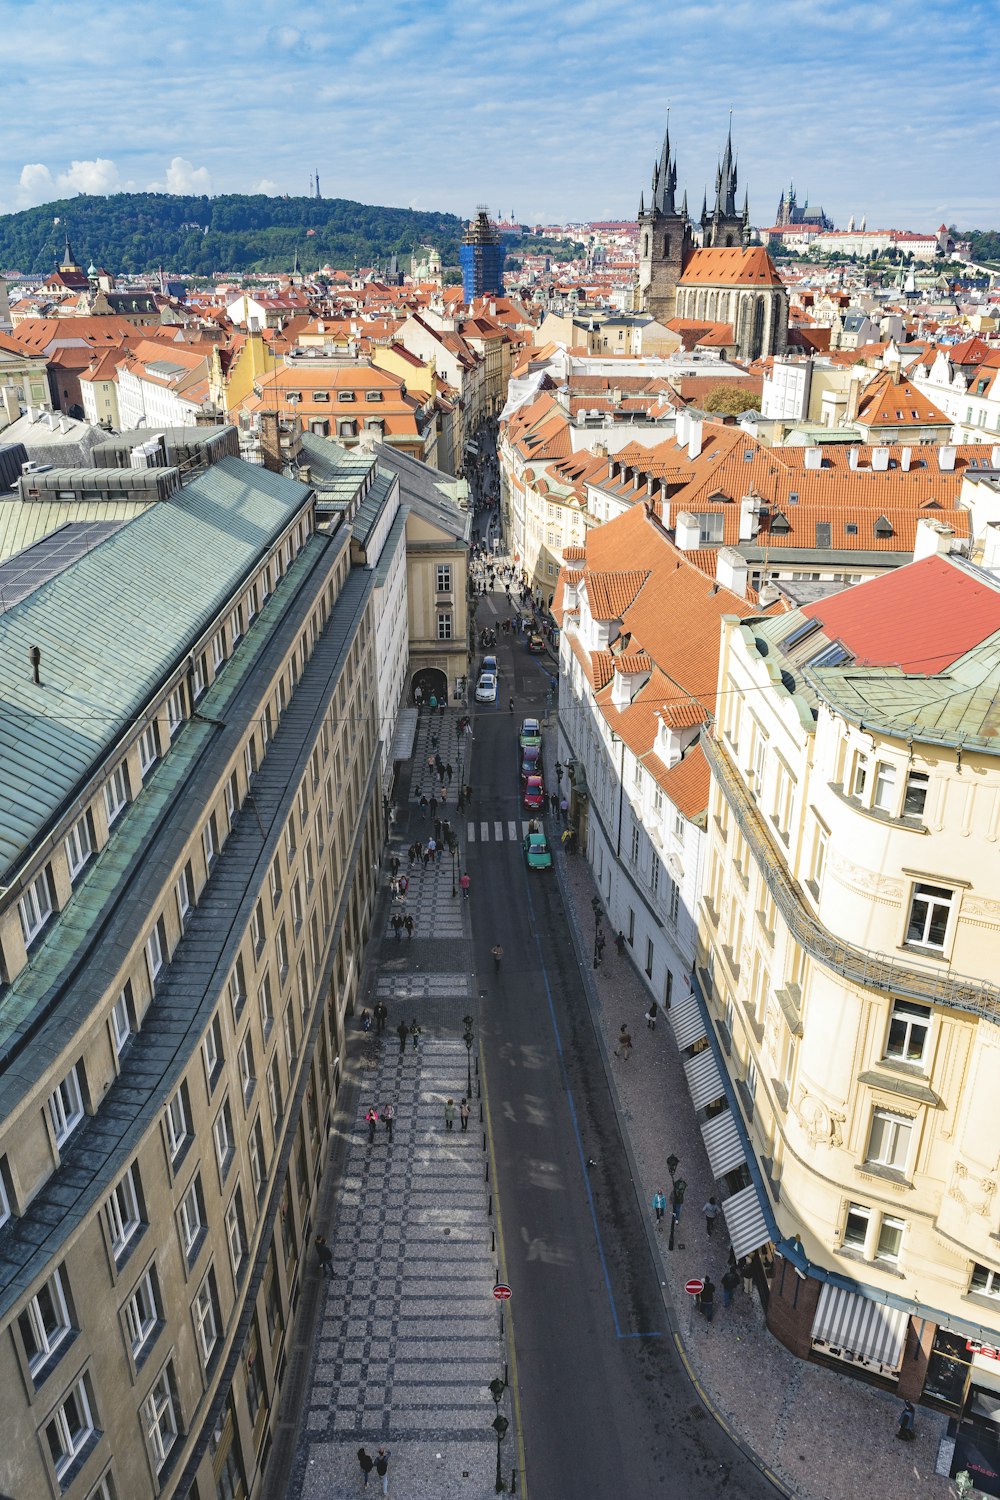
(695, 1286)
(501, 1292)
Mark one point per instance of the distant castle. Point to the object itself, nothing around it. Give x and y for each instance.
(791, 212)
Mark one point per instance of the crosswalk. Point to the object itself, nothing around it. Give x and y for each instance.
(496, 830)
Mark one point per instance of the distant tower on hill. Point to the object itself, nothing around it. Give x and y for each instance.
(481, 257)
(318, 193)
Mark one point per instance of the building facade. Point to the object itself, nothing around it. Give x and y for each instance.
(481, 256)
(185, 899)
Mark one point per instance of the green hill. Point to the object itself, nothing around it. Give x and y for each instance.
(133, 232)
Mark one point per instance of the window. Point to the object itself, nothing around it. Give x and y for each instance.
(149, 750)
(159, 1415)
(185, 893)
(303, 807)
(44, 1323)
(710, 528)
(298, 910)
(211, 1049)
(258, 1160)
(915, 796)
(35, 907)
(649, 958)
(274, 1090)
(281, 951)
(443, 575)
(4, 1200)
(291, 1041)
(232, 798)
(820, 841)
(116, 794)
(859, 779)
(225, 1141)
(274, 877)
(206, 1323)
(266, 1004)
(444, 625)
(141, 1314)
(889, 1141)
(635, 843)
(856, 1226)
(155, 944)
(122, 1213)
(252, 606)
(654, 877)
(890, 1238)
(674, 904)
(191, 1217)
(885, 787)
(984, 1281)
(930, 913)
(238, 989)
(250, 758)
(235, 1232)
(783, 787)
(218, 652)
(177, 1119)
(258, 931)
(70, 1429)
(308, 866)
(289, 842)
(909, 1026)
(79, 846)
(248, 1075)
(175, 711)
(209, 842)
(235, 626)
(66, 1106)
(121, 1020)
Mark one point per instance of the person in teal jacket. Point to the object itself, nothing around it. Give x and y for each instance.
(659, 1206)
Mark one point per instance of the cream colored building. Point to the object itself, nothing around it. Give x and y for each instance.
(849, 932)
(187, 840)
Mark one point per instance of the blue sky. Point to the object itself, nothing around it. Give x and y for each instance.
(553, 110)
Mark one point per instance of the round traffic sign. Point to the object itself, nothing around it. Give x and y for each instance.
(694, 1286)
(501, 1292)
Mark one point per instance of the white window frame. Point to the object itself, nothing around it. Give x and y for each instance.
(122, 1215)
(206, 1327)
(235, 624)
(990, 1281)
(72, 1441)
(238, 988)
(219, 651)
(160, 1420)
(191, 1221)
(199, 677)
(859, 1211)
(65, 1105)
(149, 750)
(932, 898)
(175, 711)
(248, 1068)
(265, 1003)
(255, 1155)
(35, 907)
(861, 767)
(913, 1018)
(224, 1137)
(4, 1200)
(917, 782)
(79, 846)
(121, 1021)
(884, 792)
(178, 1124)
(46, 1339)
(895, 1131)
(116, 794)
(209, 843)
(211, 1051)
(894, 1224)
(274, 880)
(142, 1315)
(235, 1233)
(155, 957)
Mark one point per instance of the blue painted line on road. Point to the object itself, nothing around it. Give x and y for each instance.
(655, 1333)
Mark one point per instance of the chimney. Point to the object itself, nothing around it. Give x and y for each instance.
(852, 457)
(880, 460)
(687, 532)
(63, 425)
(905, 455)
(731, 570)
(682, 427)
(35, 657)
(694, 437)
(9, 408)
(814, 458)
(750, 517)
(946, 458)
(933, 538)
(30, 412)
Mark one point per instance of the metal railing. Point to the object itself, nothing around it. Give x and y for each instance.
(859, 965)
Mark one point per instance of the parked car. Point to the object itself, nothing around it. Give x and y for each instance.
(537, 854)
(531, 761)
(533, 798)
(531, 733)
(490, 664)
(536, 645)
(486, 688)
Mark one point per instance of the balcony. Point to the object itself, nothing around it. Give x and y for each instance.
(860, 966)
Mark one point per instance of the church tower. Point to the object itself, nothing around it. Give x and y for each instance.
(728, 227)
(665, 240)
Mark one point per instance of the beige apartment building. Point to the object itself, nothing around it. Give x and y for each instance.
(849, 933)
(189, 824)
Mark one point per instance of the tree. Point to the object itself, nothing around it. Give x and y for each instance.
(729, 399)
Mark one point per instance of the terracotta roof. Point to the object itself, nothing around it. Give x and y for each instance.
(887, 402)
(734, 267)
(602, 668)
(633, 661)
(611, 594)
(574, 554)
(683, 715)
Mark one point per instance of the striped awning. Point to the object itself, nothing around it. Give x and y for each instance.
(853, 1327)
(723, 1143)
(406, 733)
(704, 1079)
(745, 1221)
(688, 1023)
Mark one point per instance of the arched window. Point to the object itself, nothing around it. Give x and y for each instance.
(758, 328)
(645, 245)
(666, 244)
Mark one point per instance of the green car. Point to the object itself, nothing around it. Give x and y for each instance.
(537, 852)
(531, 733)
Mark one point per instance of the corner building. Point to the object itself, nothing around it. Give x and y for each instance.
(849, 932)
(189, 826)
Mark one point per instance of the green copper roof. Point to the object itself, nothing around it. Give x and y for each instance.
(112, 627)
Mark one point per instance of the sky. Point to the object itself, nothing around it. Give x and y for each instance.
(553, 111)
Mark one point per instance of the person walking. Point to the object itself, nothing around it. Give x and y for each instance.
(659, 1206)
(711, 1211)
(372, 1118)
(906, 1426)
(706, 1299)
(620, 943)
(389, 1116)
(746, 1275)
(418, 697)
(381, 1016)
(554, 802)
(564, 809)
(324, 1255)
(730, 1285)
(414, 1033)
(409, 924)
(382, 1469)
(448, 771)
(367, 1464)
(497, 953)
(624, 1048)
(599, 943)
(464, 1113)
(402, 1031)
(434, 806)
(423, 803)
(449, 1114)
(411, 855)
(432, 702)
(465, 882)
(677, 1198)
(397, 924)
(651, 1016)
(510, 705)
(394, 865)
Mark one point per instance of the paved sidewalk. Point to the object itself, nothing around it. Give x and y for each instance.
(827, 1436)
(408, 1337)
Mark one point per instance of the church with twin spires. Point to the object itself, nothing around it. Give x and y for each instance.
(725, 280)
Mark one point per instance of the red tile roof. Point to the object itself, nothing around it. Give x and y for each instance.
(735, 267)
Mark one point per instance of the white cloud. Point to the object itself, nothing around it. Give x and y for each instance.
(265, 185)
(285, 37)
(37, 184)
(183, 177)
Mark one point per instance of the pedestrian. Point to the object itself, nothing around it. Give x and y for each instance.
(402, 886)
(467, 793)
(324, 1255)
(465, 882)
(431, 847)
(554, 802)
(620, 943)
(624, 1048)
(564, 808)
(411, 854)
(402, 1031)
(746, 1275)
(730, 1285)
(418, 697)
(366, 1021)
(372, 1118)
(414, 1033)
(434, 806)
(559, 770)
(599, 943)
(367, 1464)
(423, 803)
(432, 702)
(449, 1114)
(464, 1113)
(409, 924)
(389, 1116)
(677, 1198)
(382, 1469)
(448, 771)
(397, 925)
(651, 1016)
(394, 866)
(905, 1427)
(497, 953)
(706, 1299)
(381, 1016)
(437, 828)
(510, 705)
(711, 1211)
(659, 1206)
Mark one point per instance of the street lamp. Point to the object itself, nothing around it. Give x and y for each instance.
(499, 1425)
(467, 1039)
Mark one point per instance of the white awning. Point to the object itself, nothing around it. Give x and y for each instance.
(406, 733)
(745, 1221)
(854, 1328)
(704, 1079)
(686, 1019)
(723, 1143)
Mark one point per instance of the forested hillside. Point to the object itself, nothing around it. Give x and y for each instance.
(130, 232)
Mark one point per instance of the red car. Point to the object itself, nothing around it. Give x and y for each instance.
(534, 795)
(531, 761)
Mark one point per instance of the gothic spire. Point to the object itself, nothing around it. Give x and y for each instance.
(684, 206)
(642, 206)
(726, 190)
(665, 177)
